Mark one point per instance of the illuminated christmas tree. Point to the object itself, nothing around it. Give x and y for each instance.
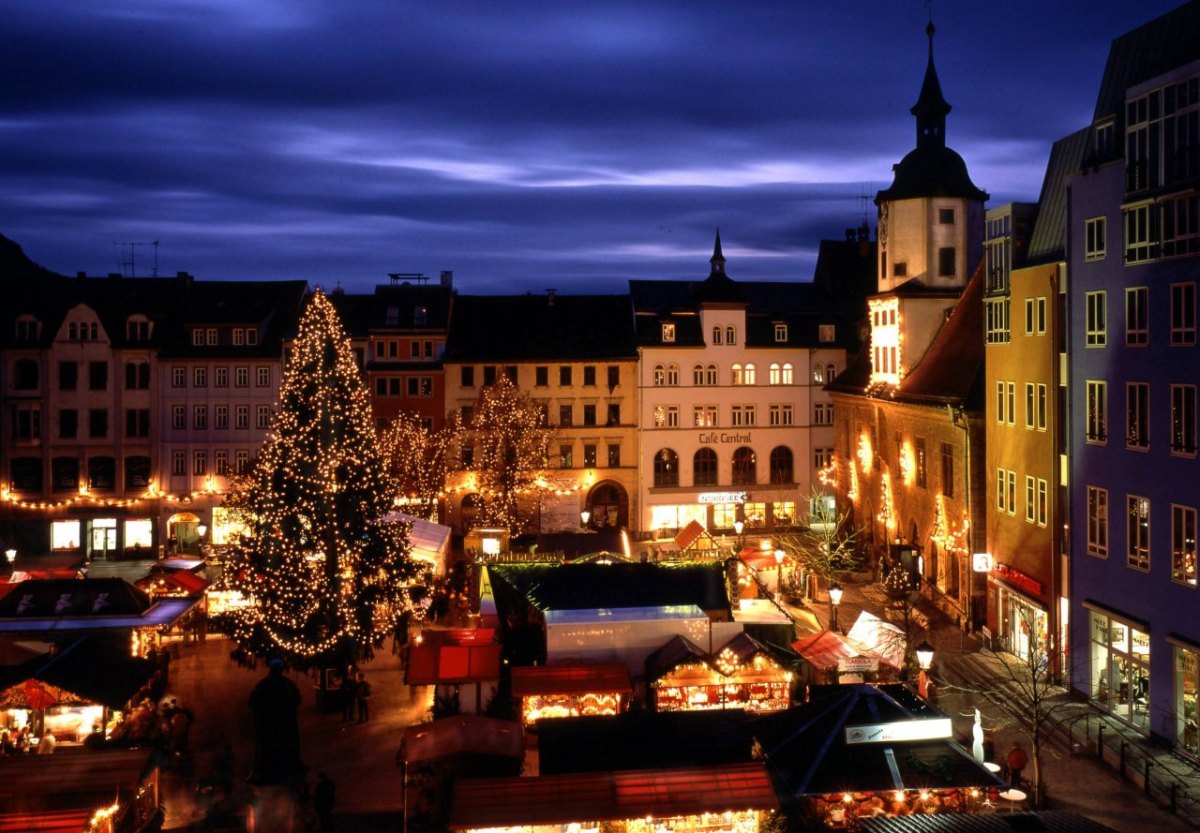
(325, 577)
(419, 458)
(510, 449)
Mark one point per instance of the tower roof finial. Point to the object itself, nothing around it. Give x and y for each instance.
(718, 259)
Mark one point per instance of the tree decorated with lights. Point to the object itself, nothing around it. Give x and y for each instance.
(419, 458)
(325, 577)
(510, 448)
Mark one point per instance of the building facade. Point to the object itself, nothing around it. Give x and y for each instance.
(734, 422)
(1133, 252)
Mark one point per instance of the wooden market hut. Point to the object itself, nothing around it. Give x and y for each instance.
(859, 750)
(571, 689)
(453, 659)
(741, 675)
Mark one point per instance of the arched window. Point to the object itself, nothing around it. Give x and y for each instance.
(748, 375)
(730, 336)
(710, 375)
(773, 375)
(781, 464)
(704, 468)
(716, 339)
(660, 376)
(25, 374)
(744, 467)
(788, 377)
(698, 375)
(737, 374)
(819, 374)
(666, 468)
(673, 375)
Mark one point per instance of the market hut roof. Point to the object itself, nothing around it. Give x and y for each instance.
(607, 796)
(89, 670)
(810, 751)
(571, 678)
(589, 586)
(463, 734)
(643, 740)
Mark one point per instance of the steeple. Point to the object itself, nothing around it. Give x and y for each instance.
(931, 107)
(717, 260)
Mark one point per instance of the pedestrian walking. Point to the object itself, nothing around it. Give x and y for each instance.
(363, 695)
(1017, 760)
(349, 695)
(323, 801)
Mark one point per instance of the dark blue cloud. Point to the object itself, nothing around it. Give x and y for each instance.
(521, 144)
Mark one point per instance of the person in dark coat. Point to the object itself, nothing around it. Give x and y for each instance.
(362, 693)
(323, 801)
(275, 703)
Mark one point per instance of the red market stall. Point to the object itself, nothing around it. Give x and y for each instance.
(450, 659)
(571, 690)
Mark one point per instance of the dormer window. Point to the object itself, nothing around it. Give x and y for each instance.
(251, 336)
(83, 331)
(392, 317)
(716, 339)
(781, 333)
(420, 316)
(28, 328)
(668, 333)
(138, 328)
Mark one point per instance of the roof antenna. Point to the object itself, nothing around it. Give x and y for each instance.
(131, 263)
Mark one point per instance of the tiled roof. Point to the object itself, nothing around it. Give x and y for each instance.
(499, 328)
(951, 370)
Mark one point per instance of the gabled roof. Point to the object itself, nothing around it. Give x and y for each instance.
(541, 328)
(94, 670)
(951, 371)
(463, 734)
(75, 597)
(677, 651)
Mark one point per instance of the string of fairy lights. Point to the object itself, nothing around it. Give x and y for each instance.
(322, 571)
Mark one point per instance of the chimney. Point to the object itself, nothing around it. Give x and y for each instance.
(447, 278)
(550, 296)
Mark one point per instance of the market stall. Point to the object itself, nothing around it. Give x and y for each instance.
(570, 690)
(855, 751)
(828, 657)
(741, 675)
(459, 662)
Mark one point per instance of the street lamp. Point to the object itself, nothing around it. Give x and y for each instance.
(11, 555)
(584, 517)
(739, 527)
(779, 554)
(924, 653)
(835, 599)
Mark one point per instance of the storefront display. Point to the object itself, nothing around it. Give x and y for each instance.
(740, 676)
(1120, 668)
(1187, 705)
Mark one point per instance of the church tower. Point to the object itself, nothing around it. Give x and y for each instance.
(931, 218)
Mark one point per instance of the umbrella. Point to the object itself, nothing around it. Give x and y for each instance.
(38, 695)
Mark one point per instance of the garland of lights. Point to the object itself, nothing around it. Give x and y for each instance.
(325, 578)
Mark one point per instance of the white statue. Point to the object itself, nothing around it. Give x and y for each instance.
(977, 737)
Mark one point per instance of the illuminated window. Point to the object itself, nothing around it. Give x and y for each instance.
(1096, 238)
(1183, 419)
(1138, 532)
(1183, 545)
(668, 332)
(1097, 530)
(1097, 416)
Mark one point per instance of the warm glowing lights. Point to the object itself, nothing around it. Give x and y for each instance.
(908, 464)
(886, 515)
(885, 340)
(866, 454)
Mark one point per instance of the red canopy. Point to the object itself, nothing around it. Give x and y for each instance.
(571, 679)
(465, 655)
(823, 650)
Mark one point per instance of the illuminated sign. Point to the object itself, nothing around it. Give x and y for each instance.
(937, 728)
(981, 562)
(1018, 579)
(857, 664)
(722, 497)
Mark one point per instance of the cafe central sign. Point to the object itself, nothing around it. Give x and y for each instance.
(715, 437)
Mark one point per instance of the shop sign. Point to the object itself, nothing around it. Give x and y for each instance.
(937, 728)
(1018, 579)
(713, 437)
(981, 562)
(857, 665)
(722, 497)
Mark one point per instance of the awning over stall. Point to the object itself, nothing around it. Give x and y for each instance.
(430, 542)
(571, 678)
(459, 655)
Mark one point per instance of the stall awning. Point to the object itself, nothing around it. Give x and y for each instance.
(466, 655)
(89, 670)
(429, 541)
(885, 639)
(825, 649)
(602, 678)
(608, 796)
(464, 733)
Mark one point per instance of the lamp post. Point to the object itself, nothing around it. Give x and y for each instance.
(584, 517)
(11, 556)
(924, 653)
(739, 527)
(835, 599)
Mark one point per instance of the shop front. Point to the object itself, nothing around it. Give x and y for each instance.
(742, 675)
(1119, 649)
(720, 512)
(570, 690)
(1021, 621)
(1187, 692)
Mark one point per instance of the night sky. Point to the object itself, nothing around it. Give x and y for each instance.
(521, 144)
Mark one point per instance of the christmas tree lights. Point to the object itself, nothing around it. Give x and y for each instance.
(327, 579)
